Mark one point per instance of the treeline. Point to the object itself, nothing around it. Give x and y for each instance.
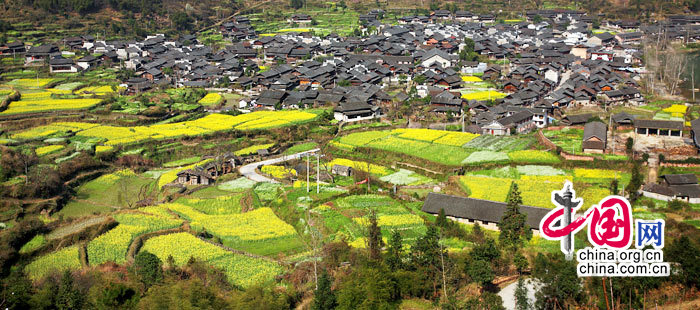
(86, 6)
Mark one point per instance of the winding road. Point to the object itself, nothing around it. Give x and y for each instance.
(250, 170)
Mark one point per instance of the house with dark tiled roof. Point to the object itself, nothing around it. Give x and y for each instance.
(595, 137)
(40, 54)
(520, 122)
(576, 119)
(651, 127)
(485, 212)
(59, 64)
(355, 110)
(674, 186)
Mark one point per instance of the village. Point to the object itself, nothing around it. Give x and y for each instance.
(257, 152)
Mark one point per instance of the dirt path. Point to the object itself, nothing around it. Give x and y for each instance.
(653, 168)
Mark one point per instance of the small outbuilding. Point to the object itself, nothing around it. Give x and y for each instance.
(595, 137)
(342, 170)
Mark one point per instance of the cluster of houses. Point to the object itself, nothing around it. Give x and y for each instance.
(546, 64)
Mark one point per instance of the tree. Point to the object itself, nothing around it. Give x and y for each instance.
(296, 4)
(44, 181)
(148, 267)
(14, 162)
(613, 186)
(513, 225)
(559, 282)
(116, 296)
(395, 251)
(521, 301)
(324, 298)
(374, 237)
(181, 21)
(520, 262)
(441, 220)
(635, 181)
(368, 288)
(429, 256)
(68, 297)
(686, 254)
(477, 235)
(629, 144)
(469, 45)
(16, 291)
(480, 271)
(486, 251)
(491, 301)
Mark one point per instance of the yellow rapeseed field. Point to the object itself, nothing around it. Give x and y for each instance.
(47, 105)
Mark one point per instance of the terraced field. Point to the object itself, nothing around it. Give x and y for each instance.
(346, 218)
(113, 135)
(537, 182)
(448, 147)
(240, 269)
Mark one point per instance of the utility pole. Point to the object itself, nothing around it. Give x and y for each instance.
(318, 173)
(692, 79)
(307, 173)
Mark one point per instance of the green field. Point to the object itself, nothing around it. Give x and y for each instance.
(106, 193)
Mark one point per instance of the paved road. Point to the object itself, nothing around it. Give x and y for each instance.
(249, 170)
(508, 293)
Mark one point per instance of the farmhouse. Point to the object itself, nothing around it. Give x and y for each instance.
(649, 127)
(520, 122)
(437, 56)
(356, 111)
(194, 177)
(484, 212)
(62, 65)
(39, 54)
(13, 48)
(595, 137)
(674, 186)
(576, 119)
(445, 102)
(300, 19)
(624, 95)
(623, 119)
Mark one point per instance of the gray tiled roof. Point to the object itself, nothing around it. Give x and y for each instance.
(478, 209)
